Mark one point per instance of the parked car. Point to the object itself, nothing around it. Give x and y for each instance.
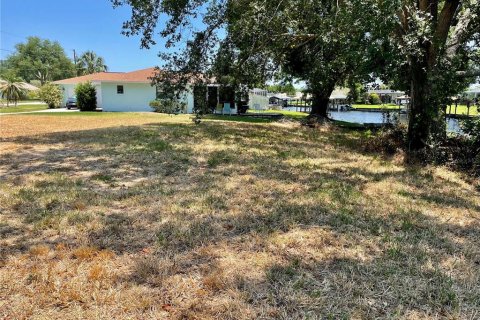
(71, 103)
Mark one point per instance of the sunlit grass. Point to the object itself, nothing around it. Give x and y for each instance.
(150, 216)
(22, 108)
(388, 106)
(288, 114)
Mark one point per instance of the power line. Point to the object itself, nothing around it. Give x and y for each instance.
(12, 34)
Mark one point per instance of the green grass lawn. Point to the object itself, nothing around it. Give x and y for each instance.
(462, 109)
(373, 106)
(288, 114)
(23, 108)
(149, 216)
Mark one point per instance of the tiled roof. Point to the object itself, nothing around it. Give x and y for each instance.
(24, 85)
(143, 75)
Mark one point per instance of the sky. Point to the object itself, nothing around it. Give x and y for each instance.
(76, 24)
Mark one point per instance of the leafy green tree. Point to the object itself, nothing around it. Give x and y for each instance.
(89, 62)
(168, 106)
(40, 59)
(51, 94)
(356, 93)
(432, 47)
(12, 91)
(374, 98)
(287, 88)
(86, 96)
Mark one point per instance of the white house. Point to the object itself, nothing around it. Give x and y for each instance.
(387, 95)
(133, 91)
(473, 92)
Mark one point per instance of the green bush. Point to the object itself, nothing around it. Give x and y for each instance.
(86, 96)
(170, 106)
(470, 154)
(51, 95)
(373, 98)
(33, 95)
(388, 140)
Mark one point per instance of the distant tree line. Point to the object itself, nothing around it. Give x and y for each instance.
(41, 61)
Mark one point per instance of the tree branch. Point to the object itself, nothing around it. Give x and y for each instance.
(460, 33)
(469, 74)
(445, 21)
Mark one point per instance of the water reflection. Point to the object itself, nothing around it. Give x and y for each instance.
(377, 117)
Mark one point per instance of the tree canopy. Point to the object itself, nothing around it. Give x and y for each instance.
(89, 62)
(435, 42)
(39, 59)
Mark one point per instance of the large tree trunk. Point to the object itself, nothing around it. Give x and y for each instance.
(320, 100)
(319, 105)
(420, 115)
(427, 122)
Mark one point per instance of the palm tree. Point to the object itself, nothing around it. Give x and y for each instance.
(12, 91)
(89, 62)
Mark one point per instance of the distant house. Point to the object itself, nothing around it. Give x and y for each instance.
(473, 92)
(387, 95)
(339, 98)
(260, 99)
(133, 91)
(402, 100)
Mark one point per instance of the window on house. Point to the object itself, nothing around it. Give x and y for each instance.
(119, 89)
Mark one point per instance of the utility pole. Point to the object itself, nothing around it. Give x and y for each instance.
(75, 62)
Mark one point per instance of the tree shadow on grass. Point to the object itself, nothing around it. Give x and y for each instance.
(401, 277)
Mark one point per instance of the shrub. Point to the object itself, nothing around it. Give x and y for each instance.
(373, 98)
(468, 146)
(388, 140)
(86, 96)
(170, 106)
(33, 95)
(51, 95)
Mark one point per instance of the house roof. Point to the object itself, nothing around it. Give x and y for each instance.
(339, 94)
(385, 91)
(473, 89)
(28, 86)
(141, 76)
(23, 85)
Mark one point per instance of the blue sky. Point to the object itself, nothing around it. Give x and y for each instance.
(77, 24)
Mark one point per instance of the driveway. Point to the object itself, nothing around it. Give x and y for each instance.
(42, 111)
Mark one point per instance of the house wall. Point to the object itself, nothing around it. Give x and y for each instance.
(69, 92)
(189, 98)
(258, 100)
(135, 97)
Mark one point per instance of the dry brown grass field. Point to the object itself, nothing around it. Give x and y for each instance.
(146, 216)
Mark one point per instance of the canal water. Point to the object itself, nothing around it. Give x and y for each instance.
(377, 117)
